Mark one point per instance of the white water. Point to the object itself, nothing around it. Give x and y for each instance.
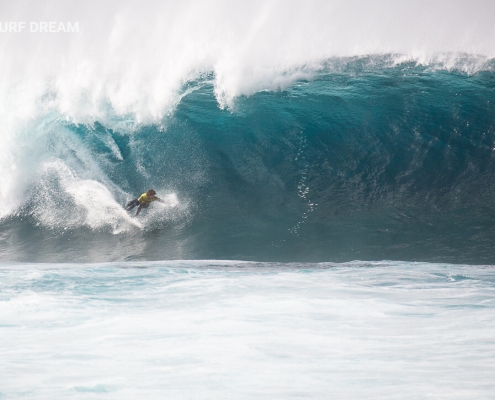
(223, 330)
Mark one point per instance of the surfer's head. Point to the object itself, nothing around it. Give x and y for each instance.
(151, 193)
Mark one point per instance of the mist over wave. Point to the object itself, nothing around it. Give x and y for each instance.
(133, 57)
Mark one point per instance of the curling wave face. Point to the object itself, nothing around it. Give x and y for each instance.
(369, 159)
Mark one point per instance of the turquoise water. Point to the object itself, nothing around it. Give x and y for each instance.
(367, 159)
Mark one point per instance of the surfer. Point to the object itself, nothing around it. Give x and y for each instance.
(143, 201)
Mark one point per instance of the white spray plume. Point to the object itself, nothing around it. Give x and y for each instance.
(134, 55)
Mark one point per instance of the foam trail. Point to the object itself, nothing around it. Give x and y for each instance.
(64, 201)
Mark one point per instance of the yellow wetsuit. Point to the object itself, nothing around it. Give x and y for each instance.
(144, 199)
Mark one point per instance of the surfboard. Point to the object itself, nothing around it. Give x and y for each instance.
(132, 221)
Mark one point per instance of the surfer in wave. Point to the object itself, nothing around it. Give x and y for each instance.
(143, 201)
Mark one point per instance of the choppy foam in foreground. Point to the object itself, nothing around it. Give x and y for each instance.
(218, 330)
